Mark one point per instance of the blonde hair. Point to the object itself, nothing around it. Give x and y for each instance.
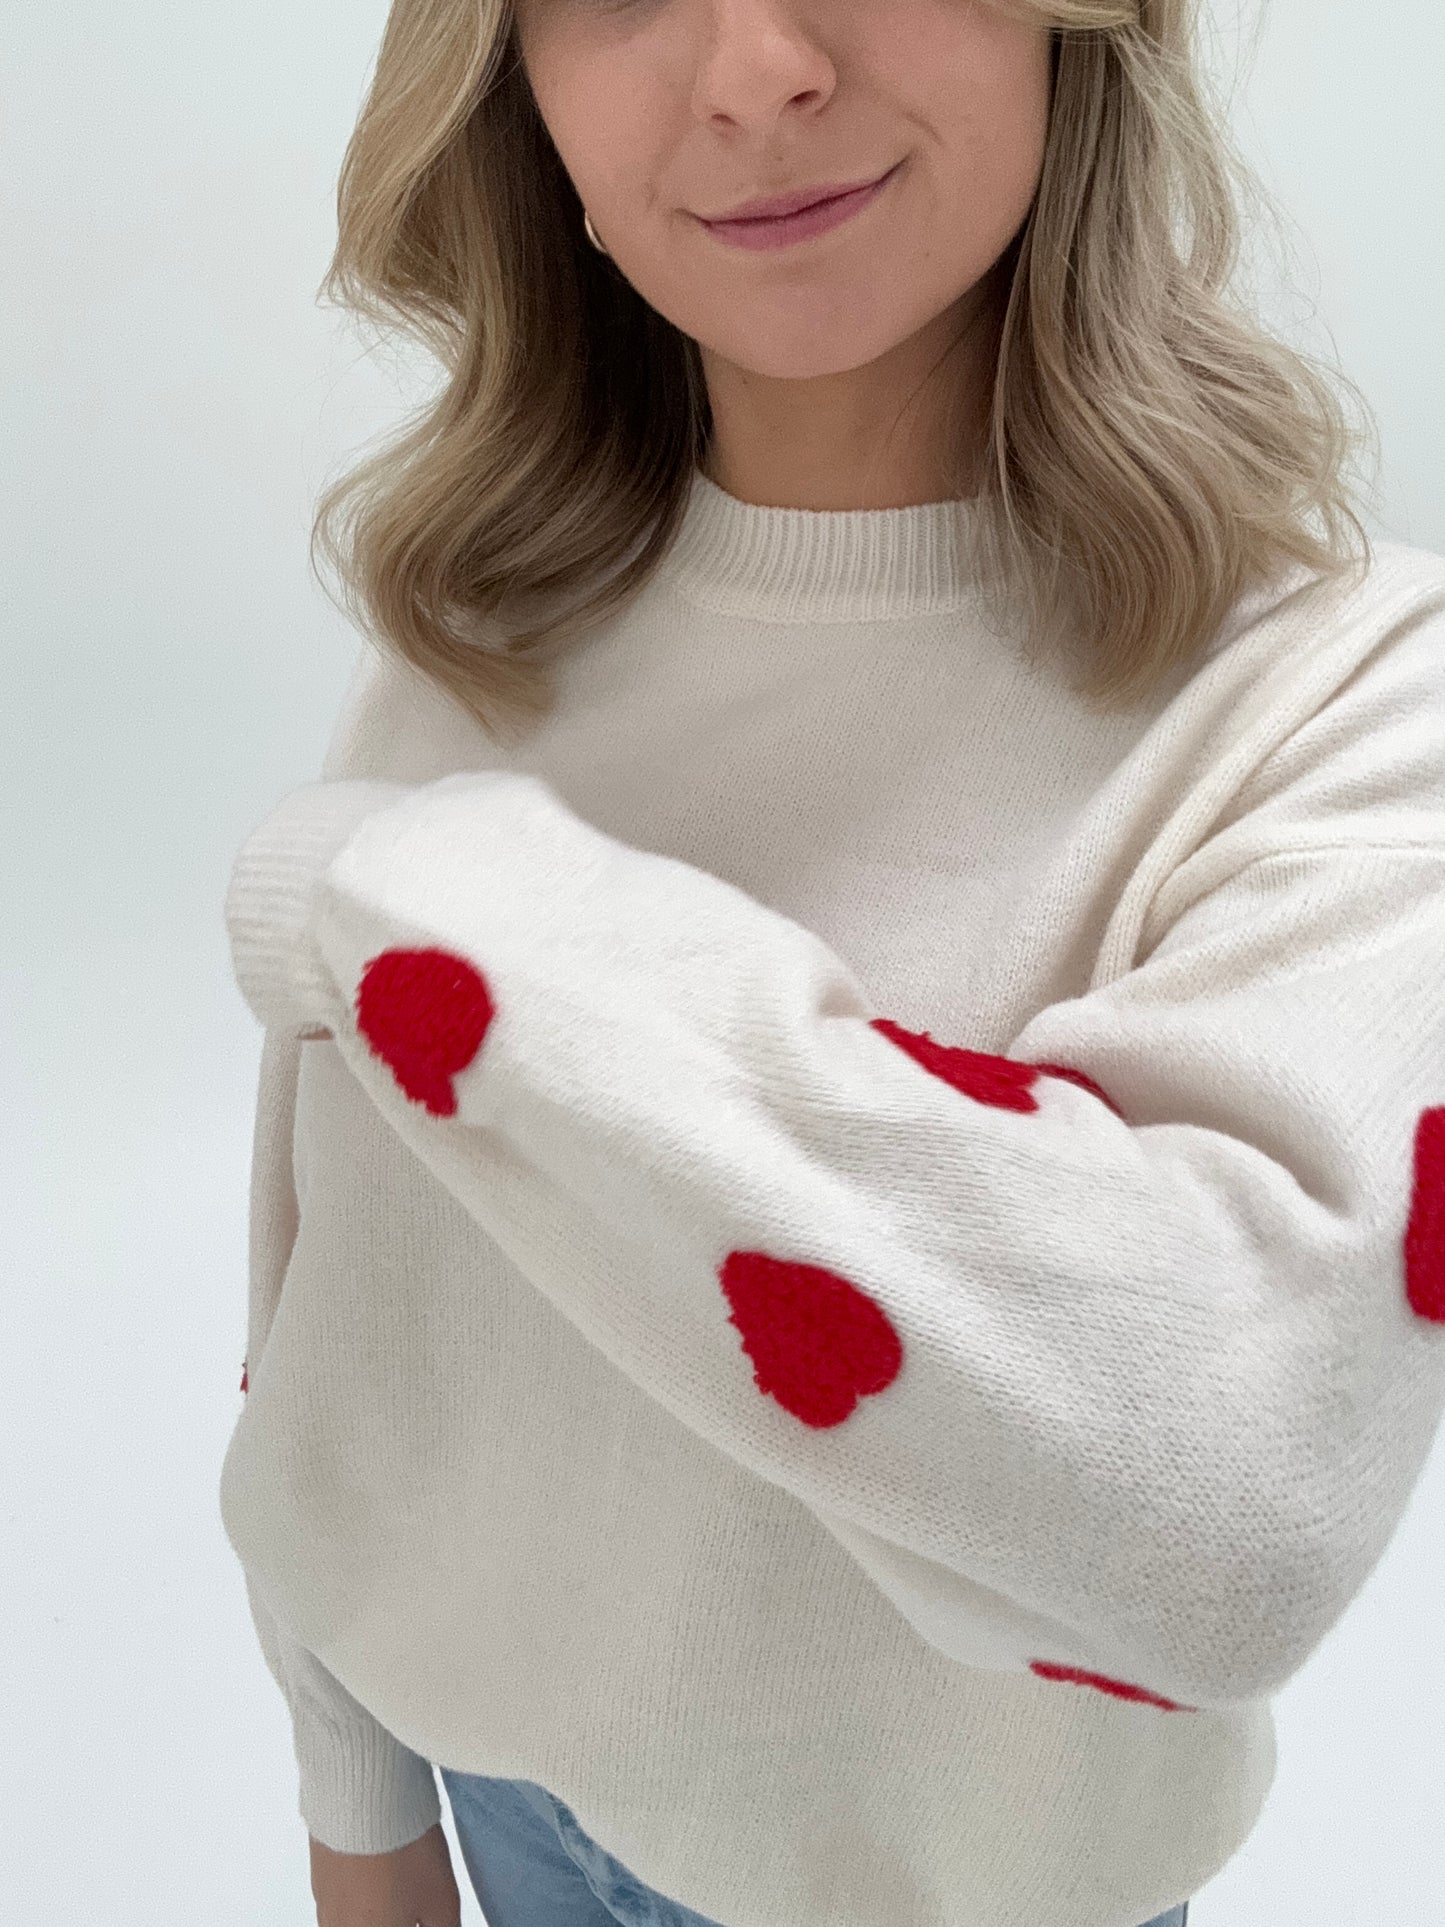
(1152, 451)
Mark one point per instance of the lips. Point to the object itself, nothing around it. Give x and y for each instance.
(788, 204)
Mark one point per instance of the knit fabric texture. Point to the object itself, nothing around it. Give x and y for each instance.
(860, 1279)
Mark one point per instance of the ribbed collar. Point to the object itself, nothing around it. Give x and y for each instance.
(830, 565)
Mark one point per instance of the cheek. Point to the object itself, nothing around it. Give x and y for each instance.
(987, 118)
(1010, 137)
(973, 65)
(601, 108)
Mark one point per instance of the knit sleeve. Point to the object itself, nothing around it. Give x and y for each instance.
(360, 1789)
(1113, 1358)
(269, 898)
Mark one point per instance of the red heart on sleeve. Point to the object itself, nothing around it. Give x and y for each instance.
(424, 1013)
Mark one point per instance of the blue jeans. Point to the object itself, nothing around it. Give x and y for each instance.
(531, 1865)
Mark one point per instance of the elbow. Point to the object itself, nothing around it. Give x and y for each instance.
(1267, 1622)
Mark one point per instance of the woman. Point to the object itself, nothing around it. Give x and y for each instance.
(848, 1245)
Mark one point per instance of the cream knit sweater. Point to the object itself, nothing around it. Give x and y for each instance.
(863, 1277)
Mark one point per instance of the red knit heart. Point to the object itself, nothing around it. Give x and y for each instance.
(424, 1013)
(1084, 1083)
(1076, 1676)
(818, 1344)
(1425, 1235)
(1003, 1082)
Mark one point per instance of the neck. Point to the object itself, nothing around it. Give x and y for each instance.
(905, 430)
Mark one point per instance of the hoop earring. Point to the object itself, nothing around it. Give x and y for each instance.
(592, 232)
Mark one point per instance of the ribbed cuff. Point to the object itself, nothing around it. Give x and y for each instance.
(362, 1791)
(272, 893)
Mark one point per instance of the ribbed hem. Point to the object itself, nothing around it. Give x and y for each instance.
(272, 893)
(362, 1791)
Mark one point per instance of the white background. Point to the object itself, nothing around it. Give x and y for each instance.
(173, 400)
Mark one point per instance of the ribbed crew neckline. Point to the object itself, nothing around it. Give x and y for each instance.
(822, 565)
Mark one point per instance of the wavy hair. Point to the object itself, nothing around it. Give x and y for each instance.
(1152, 450)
